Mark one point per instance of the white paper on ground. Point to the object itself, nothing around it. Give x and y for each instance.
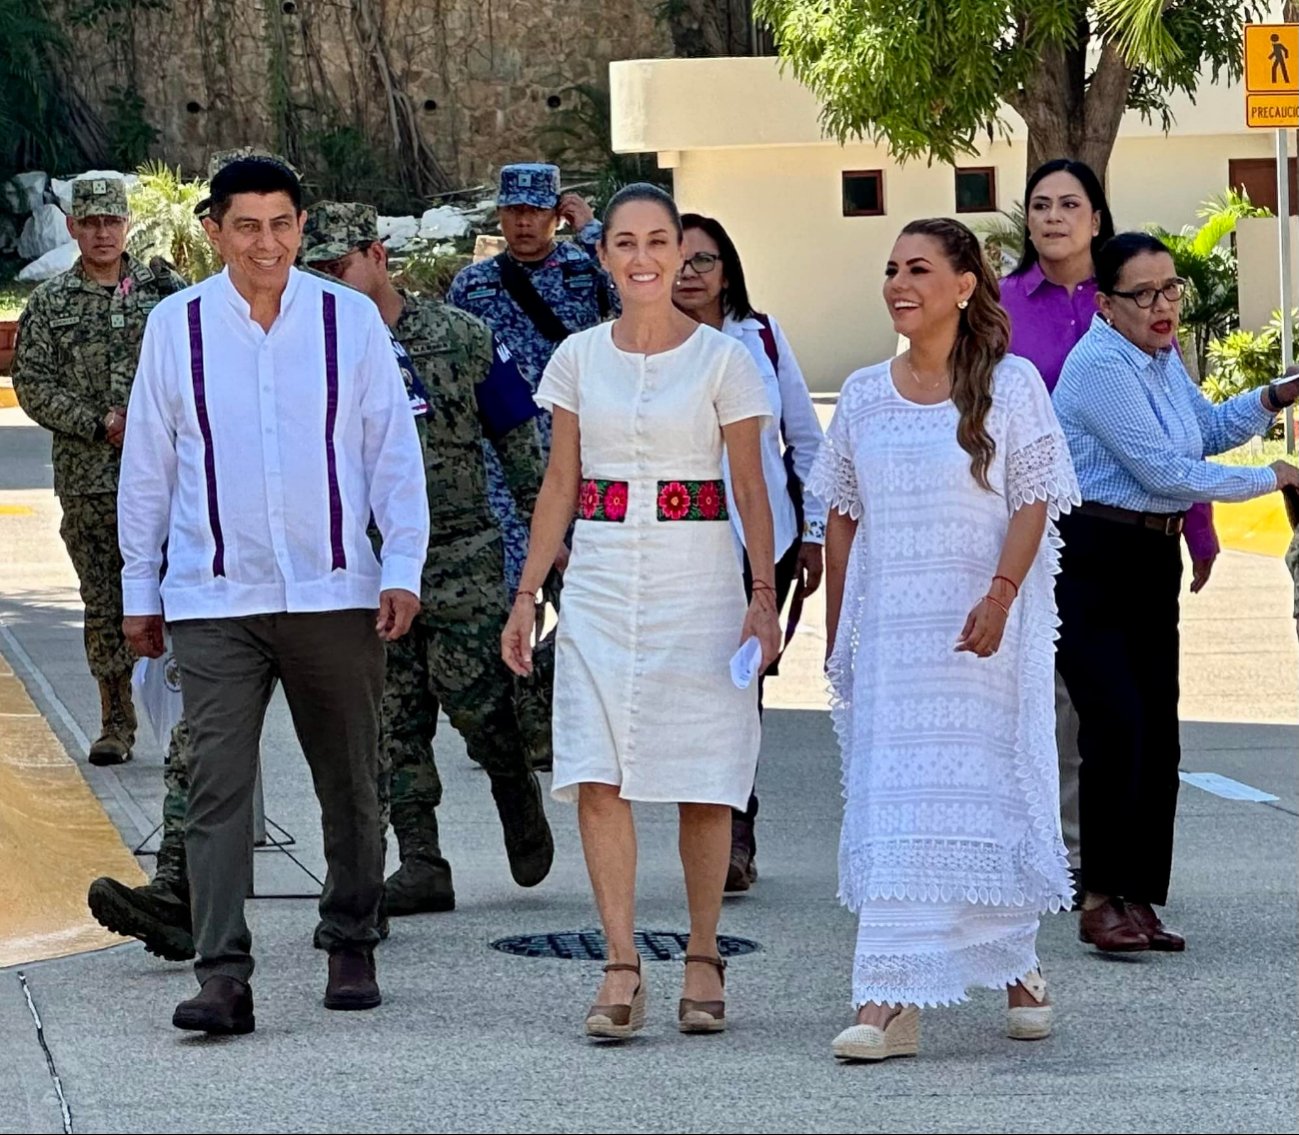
(745, 662)
(1225, 787)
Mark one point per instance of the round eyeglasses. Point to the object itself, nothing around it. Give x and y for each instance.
(1173, 291)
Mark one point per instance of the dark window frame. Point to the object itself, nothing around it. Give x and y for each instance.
(991, 172)
(878, 176)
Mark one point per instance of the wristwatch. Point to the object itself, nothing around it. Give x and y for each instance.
(1289, 380)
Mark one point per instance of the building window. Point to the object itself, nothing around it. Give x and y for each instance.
(863, 193)
(976, 189)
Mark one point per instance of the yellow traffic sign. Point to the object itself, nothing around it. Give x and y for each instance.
(1272, 112)
(1271, 60)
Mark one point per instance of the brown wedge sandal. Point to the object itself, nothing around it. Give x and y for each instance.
(703, 1016)
(618, 1022)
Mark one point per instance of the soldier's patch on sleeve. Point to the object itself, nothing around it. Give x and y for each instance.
(117, 320)
(483, 292)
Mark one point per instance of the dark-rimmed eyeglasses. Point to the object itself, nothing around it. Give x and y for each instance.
(702, 263)
(1173, 291)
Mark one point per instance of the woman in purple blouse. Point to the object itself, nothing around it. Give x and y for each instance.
(1051, 299)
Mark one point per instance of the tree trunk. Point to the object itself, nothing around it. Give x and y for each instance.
(1069, 116)
(702, 28)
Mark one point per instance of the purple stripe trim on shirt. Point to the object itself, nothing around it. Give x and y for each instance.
(205, 428)
(338, 555)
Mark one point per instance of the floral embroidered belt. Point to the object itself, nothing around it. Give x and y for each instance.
(677, 500)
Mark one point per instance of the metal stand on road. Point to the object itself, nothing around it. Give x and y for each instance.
(281, 841)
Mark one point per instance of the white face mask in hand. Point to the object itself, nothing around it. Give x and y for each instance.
(745, 662)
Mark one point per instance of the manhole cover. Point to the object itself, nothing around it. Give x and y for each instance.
(588, 945)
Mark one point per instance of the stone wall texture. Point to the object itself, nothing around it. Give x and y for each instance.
(470, 84)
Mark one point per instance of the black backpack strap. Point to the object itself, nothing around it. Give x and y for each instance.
(521, 289)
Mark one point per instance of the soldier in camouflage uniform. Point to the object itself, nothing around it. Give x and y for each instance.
(467, 390)
(78, 345)
(563, 290)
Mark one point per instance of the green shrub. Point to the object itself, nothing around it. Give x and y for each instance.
(1245, 360)
(430, 269)
(163, 222)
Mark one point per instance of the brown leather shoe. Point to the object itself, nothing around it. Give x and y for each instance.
(1108, 927)
(352, 982)
(224, 1006)
(1148, 922)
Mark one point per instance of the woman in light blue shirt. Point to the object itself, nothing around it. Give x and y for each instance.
(1138, 430)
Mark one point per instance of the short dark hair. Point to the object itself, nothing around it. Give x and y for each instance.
(252, 175)
(1117, 252)
(735, 296)
(1095, 194)
(641, 191)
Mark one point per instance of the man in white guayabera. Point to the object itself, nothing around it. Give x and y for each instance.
(268, 422)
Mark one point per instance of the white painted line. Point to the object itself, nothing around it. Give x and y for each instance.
(105, 776)
(1225, 787)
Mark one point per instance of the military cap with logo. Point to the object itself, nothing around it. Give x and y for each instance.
(335, 228)
(529, 183)
(99, 197)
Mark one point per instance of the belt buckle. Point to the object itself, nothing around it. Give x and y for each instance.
(1172, 525)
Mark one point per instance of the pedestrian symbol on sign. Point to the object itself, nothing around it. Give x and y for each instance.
(1280, 53)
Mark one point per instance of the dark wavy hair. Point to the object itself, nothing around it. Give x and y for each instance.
(640, 191)
(735, 296)
(1095, 194)
(981, 340)
(1117, 252)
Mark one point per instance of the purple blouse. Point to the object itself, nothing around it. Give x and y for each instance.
(1045, 324)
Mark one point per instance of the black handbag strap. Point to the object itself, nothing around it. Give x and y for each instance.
(519, 284)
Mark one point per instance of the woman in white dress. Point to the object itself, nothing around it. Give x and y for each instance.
(654, 606)
(942, 469)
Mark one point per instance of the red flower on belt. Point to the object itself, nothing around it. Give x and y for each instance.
(615, 500)
(709, 500)
(588, 500)
(674, 500)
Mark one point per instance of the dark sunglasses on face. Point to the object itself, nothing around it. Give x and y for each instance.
(1173, 291)
(702, 263)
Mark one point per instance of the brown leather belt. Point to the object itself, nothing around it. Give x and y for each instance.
(1166, 523)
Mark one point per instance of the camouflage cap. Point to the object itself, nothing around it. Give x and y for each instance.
(334, 228)
(529, 183)
(99, 197)
(222, 160)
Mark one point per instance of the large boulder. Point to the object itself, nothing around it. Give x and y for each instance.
(444, 222)
(24, 192)
(63, 188)
(51, 264)
(45, 230)
(398, 232)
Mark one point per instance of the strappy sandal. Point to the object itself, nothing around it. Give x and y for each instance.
(703, 1016)
(1030, 1022)
(618, 1022)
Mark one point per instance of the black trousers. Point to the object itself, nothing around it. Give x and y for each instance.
(1118, 592)
(786, 572)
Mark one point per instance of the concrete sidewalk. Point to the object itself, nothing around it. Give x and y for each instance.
(471, 1039)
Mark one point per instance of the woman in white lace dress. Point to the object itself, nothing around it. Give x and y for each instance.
(943, 469)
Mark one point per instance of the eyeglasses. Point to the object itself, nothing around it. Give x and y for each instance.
(702, 263)
(1173, 291)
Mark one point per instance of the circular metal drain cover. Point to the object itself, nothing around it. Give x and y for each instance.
(588, 945)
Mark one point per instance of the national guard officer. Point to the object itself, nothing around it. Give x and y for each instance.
(468, 391)
(78, 345)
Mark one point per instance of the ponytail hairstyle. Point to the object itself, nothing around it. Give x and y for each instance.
(981, 341)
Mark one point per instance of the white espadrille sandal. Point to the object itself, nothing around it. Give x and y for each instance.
(900, 1037)
(1030, 1022)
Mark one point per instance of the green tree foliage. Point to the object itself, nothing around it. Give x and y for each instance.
(1245, 360)
(930, 77)
(163, 222)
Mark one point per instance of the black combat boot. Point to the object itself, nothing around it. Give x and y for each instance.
(528, 842)
(158, 913)
(423, 881)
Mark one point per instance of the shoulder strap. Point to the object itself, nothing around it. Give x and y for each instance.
(517, 282)
(768, 338)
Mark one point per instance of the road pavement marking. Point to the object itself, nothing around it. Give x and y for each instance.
(16, 510)
(1225, 787)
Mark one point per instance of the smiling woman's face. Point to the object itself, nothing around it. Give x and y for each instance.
(642, 252)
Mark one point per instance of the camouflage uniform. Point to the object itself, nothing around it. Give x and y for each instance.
(470, 393)
(574, 286)
(78, 345)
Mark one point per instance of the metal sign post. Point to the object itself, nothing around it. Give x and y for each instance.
(1272, 103)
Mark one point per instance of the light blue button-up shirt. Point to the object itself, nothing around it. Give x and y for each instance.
(1139, 429)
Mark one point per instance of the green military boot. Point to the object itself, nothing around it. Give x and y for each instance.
(157, 914)
(528, 842)
(422, 884)
(117, 714)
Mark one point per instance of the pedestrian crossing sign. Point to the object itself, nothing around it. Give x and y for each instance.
(1272, 76)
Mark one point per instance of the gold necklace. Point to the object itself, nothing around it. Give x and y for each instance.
(916, 377)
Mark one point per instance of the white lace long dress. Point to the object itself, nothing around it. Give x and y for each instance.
(950, 848)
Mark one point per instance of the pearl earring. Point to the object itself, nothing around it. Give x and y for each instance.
(963, 304)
